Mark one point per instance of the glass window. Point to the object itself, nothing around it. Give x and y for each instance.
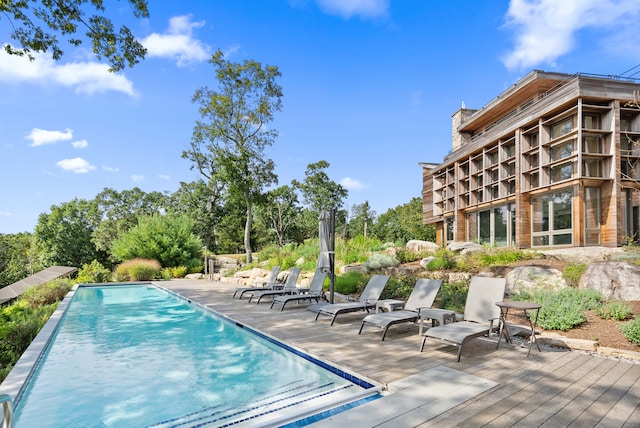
(493, 175)
(591, 144)
(591, 121)
(492, 158)
(561, 128)
(485, 226)
(534, 160)
(540, 206)
(533, 140)
(625, 123)
(562, 151)
(562, 172)
(552, 218)
(534, 180)
(511, 169)
(501, 216)
(510, 150)
(449, 229)
(591, 168)
(511, 187)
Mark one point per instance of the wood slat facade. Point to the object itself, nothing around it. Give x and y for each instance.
(554, 161)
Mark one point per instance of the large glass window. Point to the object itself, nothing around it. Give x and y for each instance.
(562, 151)
(500, 218)
(591, 121)
(449, 228)
(592, 215)
(496, 226)
(561, 128)
(591, 144)
(591, 168)
(552, 218)
(562, 172)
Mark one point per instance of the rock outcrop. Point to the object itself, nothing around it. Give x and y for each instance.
(614, 279)
(527, 278)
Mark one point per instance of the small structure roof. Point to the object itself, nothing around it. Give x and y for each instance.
(17, 288)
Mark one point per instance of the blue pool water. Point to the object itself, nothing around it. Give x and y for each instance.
(139, 356)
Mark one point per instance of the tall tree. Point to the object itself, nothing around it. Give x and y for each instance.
(362, 219)
(403, 223)
(281, 211)
(318, 190)
(229, 143)
(64, 234)
(18, 259)
(38, 26)
(201, 202)
(319, 193)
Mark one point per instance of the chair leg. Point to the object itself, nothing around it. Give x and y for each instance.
(282, 307)
(361, 325)
(459, 351)
(384, 333)
(333, 319)
(424, 339)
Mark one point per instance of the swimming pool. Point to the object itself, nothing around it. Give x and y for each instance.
(135, 355)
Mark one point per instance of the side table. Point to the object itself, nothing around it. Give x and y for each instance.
(522, 306)
(442, 316)
(389, 305)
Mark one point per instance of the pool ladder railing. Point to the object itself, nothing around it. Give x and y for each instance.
(7, 410)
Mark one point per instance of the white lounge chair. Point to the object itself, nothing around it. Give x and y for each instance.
(313, 292)
(289, 287)
(421, 297)
(367, 300)
(269, 284)
(480, 312)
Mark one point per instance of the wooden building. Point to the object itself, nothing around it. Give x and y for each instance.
(553, 161)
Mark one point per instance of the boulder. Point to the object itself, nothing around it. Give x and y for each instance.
(464, 247)
(527, 278)
(424, 262)
(417, 246)
(614, 279)
(353, 268)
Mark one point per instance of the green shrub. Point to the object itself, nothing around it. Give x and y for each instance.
(46, 294)
(405, 256)
(572, 274)
(379, 261)
(564, 309)
(631, 330)
(166, 238)
(139, 270)
(399, 287)
(503, 256)
(166, 274)
(614, 310)
(93, 273)
(350, 283)
(453, 296)
(179, 272)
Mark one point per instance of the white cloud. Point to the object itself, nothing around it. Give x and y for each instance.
(137, 178)
(164, 177)
(76, 165)
(178, 43)
(40, 137)
(352, 184)
(110, 169)
(5, 214)
(85, 77)
(80, 144)
(545, 29)
(349, 8)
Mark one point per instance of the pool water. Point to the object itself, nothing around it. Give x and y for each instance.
(139, 356)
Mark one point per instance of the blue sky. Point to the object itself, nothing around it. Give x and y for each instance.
(369, 86)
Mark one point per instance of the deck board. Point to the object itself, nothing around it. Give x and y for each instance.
(550, 388)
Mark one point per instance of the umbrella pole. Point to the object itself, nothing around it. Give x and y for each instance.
(332, 254)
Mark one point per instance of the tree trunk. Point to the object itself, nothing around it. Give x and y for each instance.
(247, 233)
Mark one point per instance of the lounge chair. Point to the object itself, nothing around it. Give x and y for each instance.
(367, 300)
(422, 297)
(269, 284)
(480, 312)
(313, 292)
(289, 287)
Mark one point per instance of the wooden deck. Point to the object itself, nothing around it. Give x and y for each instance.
(552, 388)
